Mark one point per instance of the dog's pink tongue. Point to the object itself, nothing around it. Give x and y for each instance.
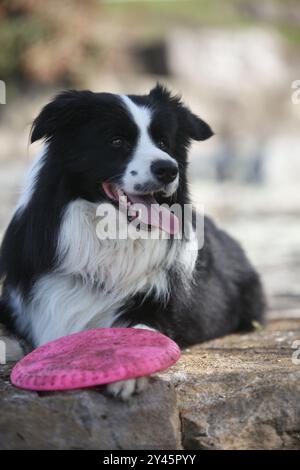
(151, 213)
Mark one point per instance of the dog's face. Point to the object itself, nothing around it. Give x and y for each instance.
(113, 145)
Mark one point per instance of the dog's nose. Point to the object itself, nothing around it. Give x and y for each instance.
(164, 170)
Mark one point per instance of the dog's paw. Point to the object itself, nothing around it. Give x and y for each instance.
(126, 388)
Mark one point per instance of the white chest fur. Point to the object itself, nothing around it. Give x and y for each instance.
(95, 278)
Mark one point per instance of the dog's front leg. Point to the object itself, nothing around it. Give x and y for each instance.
(124, 389)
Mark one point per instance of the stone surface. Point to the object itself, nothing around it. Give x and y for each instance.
(87, 419)
(242, 391)
(237, 392)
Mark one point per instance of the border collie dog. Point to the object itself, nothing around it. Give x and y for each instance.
(59, 276)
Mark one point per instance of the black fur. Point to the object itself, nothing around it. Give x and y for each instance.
(226, 297)
(78, 126)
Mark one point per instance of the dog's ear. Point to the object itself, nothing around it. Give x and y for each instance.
(66, 109)
(196, 128)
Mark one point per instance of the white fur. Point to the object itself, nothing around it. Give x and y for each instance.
(95, 278)
(141, 326)
(146, 152)
(124, 389)
(62, 305)
(122, 266)
(30, 180)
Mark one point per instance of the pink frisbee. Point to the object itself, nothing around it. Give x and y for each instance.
(95, 357)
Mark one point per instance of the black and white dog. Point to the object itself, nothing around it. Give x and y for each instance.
(59, 276)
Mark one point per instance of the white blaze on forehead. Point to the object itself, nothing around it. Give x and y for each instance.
(145, 151)
(141, 115)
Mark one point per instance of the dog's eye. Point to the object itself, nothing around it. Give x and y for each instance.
(117, 142)
(162, 144)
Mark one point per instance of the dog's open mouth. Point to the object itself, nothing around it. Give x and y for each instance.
(143, 207)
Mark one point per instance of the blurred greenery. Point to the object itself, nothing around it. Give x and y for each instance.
(47, 42)
(207, 12)
(290, 33)
(17, 34)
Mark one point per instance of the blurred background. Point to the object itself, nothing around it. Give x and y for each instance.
(233, 61)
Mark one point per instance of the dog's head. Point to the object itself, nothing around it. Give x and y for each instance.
(111, 146)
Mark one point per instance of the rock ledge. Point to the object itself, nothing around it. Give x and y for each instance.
(238, 392)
